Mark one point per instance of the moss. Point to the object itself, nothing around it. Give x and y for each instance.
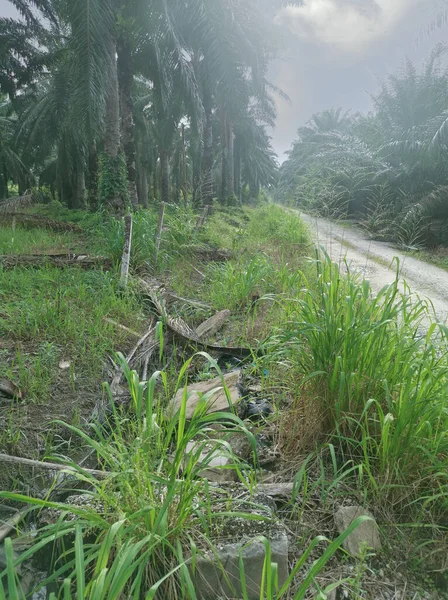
(113, 181)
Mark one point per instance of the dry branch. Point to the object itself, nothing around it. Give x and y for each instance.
(10, 261)
(30, 221)
(122, 327)
(214, 324)
(12, 523)
(17, 203)
(49, 466)
(181, 330)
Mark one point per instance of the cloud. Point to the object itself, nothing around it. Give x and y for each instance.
(345, 24)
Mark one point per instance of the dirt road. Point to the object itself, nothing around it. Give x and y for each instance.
(375, 260)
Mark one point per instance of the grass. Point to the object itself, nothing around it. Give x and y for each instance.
(379, 387)
(360, 392)
(25, 241)
(146, 524)
(63, 310)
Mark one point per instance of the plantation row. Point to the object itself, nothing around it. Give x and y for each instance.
(388, 168)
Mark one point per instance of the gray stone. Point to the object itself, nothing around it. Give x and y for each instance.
(218, 402)
(367, 534)
(219, 460)
(3, 564)
(210, 581)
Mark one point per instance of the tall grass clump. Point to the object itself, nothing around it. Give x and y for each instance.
(380, 371)
(139, 529)
(178, 235)
(151, 507)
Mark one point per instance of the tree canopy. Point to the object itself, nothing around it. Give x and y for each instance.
(114, 102)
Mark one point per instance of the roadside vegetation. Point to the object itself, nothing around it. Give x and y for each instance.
(355, 383)
(118, 477)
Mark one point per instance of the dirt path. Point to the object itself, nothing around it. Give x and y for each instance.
(375, 260)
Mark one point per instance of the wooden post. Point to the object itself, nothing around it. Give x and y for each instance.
(126, 258)
(159, 229)
(184, 169)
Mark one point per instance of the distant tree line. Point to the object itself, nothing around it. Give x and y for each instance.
(388, 168)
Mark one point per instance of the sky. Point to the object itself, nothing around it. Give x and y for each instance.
(335, 52)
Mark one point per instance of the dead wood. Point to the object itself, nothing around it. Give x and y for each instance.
(202, 218)
(169, 296)
(9, 388)
(30, 221)
(49, 466)
(12, 523)
(126, 258)
(58, 260)
(214, 324)
(212, 254)
(122, 327)
(17, 203)
(182, 331)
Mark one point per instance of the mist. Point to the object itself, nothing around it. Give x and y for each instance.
(337, 51)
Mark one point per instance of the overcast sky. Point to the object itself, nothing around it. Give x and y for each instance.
(335, 51)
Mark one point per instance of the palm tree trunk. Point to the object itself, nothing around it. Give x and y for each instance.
(143, 200)
(237, 171)
(207, 159)
(184, 169)
(113, 180)
(230, 185)
(125, 81)
(165, 176)
(5, 182)
(112, 118)
(155, 187)
(93, 176)
(224, 157)
(2, 188)
(77, 198)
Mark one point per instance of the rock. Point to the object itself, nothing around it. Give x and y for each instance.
(219, 461)
(216, 572)
(3, 564)
(209, 579)
(366, 534)
(219, 400)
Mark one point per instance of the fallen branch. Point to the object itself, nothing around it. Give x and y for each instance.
(214, 324)
(194, 303)
(179, 328)
(122, 327)
(57, 260)
(49, 466)
(30, 221)
(16, 203)
(202, 218)
(12, 523)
